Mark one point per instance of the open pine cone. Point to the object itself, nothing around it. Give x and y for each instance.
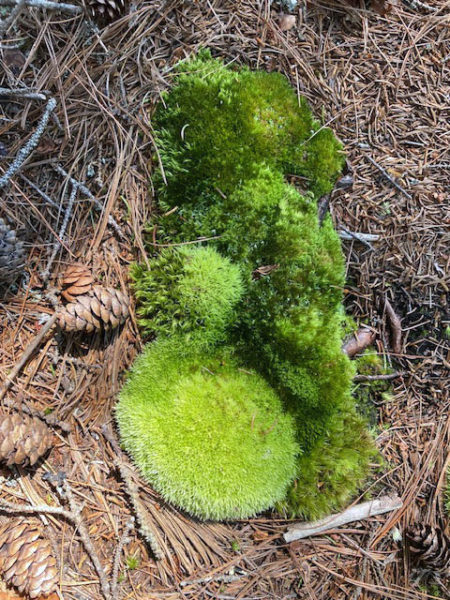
(430, 548)
(105, 11)
(26, 559)
(102, 308)
(23, 439)
(11, 253)
(76, 281)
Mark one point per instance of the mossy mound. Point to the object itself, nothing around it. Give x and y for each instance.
(217, 125)
(186, 290)
(226, 140)
(210, 436)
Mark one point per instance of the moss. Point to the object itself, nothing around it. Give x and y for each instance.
(217, 125)
(226, 139)
(209, 436)
(370, 394)
(187, 290)
(331, 473)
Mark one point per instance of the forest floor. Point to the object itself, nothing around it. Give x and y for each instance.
(380, 77)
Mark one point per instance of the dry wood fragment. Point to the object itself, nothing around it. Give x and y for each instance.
(380, 377)
(354, 513)
(395, 326)
(361, 340)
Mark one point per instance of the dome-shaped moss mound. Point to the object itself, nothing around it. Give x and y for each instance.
(218, 124)
(209, 436)
(186, 290)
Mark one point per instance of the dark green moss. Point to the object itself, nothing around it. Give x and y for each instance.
(331, 472)
(189, 289)
(217, 125)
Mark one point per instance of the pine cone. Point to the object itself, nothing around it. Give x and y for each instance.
(76, 281)
(430, 548)
(105, 11)
(103, 308)
(23, 439)
(11, 253)
(26, 559)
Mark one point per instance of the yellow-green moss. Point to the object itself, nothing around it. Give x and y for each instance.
(210, 436)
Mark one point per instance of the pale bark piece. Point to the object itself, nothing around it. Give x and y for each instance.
(354, 513)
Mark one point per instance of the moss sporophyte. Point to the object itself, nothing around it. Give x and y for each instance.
(244, 400)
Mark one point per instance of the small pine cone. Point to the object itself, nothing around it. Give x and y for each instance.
(430, 547)
(23, 439)
(105, 11)
(26, 559)
(103, 308)
(76, 281)
(11, 253)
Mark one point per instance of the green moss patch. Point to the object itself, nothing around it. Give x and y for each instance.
(217, 125)
(265, 279)
(186, 290)
(210, 436)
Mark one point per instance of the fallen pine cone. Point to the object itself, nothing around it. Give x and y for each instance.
(105, 10)
(12, 256)
(103, 308)
(430, 548)
(26, 559)
(76, 281)
(23, 439)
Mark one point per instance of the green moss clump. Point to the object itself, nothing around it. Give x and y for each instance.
(217, 125)
(226, 140)
(332, 471)
(187, 290)
(210, 437)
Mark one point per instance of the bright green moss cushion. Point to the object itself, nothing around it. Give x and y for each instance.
(210, 436)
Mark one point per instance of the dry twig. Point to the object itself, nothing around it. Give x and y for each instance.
(354, 513)
(125, 539)
(85, 190)
(26, 150)
(389, 178)
(141, 513)
(45, 4)
(21, 92)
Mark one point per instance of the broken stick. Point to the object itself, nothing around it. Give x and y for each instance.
(354, 513)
